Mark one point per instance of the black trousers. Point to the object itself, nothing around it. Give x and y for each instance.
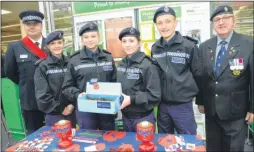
(225, 135)
(33, 119)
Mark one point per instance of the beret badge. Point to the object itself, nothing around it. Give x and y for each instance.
(166, 9)
(225, 9)
(132, 31)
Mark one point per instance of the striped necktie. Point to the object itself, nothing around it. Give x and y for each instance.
(220, 57)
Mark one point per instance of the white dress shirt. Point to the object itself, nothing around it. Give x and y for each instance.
(39, 41)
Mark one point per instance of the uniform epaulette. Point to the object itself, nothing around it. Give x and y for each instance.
(191, 39)
(106, 51)
(39, 61)
(75, 53)
(151, 59)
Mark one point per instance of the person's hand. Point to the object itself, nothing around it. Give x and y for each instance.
(68, 110)
(81, 94)
(126, 101)
(249, 117)
(201, 109)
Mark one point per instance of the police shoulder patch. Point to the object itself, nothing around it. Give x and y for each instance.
(39, 61)
(191, 39)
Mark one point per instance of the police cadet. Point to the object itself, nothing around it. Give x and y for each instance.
(178, 59)
(48, 80)
(20, 66)
(228, 83)
(90, 62)
(139, 76)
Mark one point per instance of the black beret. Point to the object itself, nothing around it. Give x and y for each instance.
(223, 9)
(130, 31)
(163, 10)
(88, 27)
(56, 35)
(31, 16)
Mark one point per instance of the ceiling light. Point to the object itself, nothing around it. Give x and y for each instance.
(5, 12)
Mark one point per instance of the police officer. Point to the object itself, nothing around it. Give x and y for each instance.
(48, 80)
(90, 62)
(228, 83)
(20, 66)
(139, 76)
(178, 59)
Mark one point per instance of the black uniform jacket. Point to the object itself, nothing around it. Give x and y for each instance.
(48, 80)
(229, 95)
(82, 68)
(139, 76)
(20, 67)
(181, 66)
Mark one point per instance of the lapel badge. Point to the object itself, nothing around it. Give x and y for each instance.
(211, 58)
(166, 9)
(225, 9)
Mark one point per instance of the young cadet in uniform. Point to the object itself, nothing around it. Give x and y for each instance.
(90, 62)
(48, 80)
(139, 76)
(178, 59)
(19, 67)
(228, 83)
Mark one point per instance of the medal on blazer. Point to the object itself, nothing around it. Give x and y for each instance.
(236, 66)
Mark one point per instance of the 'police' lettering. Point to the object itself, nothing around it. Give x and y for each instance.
(174, 54)
(53, 71)
(81, 66)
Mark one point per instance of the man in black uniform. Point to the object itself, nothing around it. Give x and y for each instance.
(228, 84)
(90, 62)
(19, 67)
(178, 59)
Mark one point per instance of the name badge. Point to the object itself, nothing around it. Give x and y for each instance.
(132, 76)
(107, 68)
(23, 56)
(178, 60)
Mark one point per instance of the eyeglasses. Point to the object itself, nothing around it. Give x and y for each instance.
(225, 18)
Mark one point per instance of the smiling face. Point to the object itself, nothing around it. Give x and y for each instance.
(56, 47)
(33, 29)
(224, 24)
(91, 40)
(130, 44)
(166, 25)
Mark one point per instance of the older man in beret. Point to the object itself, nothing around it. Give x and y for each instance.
(227, 88)
(19, 66)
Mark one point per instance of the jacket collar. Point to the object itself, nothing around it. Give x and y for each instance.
(177, 38)
(53, 59)
(86, 53)
(137, 57)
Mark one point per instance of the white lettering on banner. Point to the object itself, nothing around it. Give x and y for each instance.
(175, 54)
(53, 71)
(129, 70)
(81, 66)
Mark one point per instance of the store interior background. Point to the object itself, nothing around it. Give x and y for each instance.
(59, 16)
